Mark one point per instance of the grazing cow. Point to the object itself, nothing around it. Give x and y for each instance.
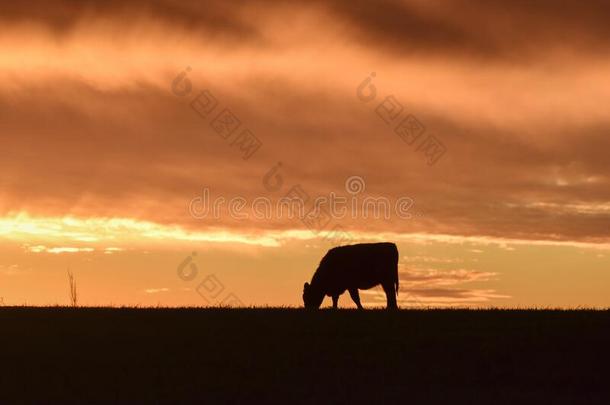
(354, 267)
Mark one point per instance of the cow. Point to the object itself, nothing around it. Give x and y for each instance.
(353, 267)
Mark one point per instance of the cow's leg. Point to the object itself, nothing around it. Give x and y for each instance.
(390, 294)
(335, 301)
(353, 292)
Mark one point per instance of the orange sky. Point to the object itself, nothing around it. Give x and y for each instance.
(103, 152)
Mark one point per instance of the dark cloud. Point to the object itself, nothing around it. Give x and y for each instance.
(479, 28)
(487, 29)
(527, 157)
(205, 20)
(453, 294)
(432, 277)
(142, 152)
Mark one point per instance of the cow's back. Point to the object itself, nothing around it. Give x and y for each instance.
(360, 266)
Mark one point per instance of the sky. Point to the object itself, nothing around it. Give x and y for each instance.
(146, 147)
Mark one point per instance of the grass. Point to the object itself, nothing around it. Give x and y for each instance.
(73, 290)
(282, 355)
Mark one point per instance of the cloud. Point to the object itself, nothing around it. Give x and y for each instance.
(156, 290)
(10, 270)
(85, 232)
(210, 19)
(433, 277)
(491, 29)
(439, 288)
(431, 259)
(118, 230)
(437, 297)
(525, 135)
(58, 249)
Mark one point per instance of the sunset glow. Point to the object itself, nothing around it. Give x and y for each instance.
(496, 132)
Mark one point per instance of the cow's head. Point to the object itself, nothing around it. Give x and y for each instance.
(311, 297)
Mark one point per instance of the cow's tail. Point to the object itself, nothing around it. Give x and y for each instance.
(396, 278)
(396, 283)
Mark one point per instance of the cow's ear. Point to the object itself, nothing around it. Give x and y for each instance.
(305, 286)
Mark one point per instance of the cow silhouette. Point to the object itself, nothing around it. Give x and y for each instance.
(353, 267)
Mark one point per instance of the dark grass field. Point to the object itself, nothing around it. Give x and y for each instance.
(59, 355)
